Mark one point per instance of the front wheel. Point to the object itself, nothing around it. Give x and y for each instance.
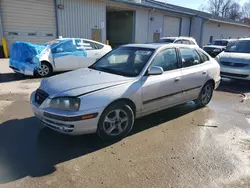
(116, 121)
(44, 69)
(205, 95)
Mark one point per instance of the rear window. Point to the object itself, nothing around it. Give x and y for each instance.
(166, 40)
(220, 43)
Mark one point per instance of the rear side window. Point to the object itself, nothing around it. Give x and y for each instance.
(178, 42)
(98, 46)
(186, 42)
(189, 57)
(203, 56)
(191, 42)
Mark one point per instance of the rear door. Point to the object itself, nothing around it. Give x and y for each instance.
(194, 73)
(164, 90)
(94, 51)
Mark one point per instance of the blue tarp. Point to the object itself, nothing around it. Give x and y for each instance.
(25, 56)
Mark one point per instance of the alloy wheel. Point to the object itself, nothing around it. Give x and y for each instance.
(207, 93)
(115, 122)
(43, 70)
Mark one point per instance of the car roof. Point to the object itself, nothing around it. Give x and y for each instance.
(190, 38)
(169, 37)
(158, 45)
(61, 39)
(245, 39)
(225, 39)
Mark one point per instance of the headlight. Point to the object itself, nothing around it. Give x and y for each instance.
(65, 103)
(217, 50)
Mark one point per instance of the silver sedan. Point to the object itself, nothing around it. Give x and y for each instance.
(129, 82)
(235, 60)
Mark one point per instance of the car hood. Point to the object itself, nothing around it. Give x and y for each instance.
(235, 57)
(214, 46)
(80, 82)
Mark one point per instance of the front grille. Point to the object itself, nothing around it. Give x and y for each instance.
(231, 64)
(233, 75)
(40, 96)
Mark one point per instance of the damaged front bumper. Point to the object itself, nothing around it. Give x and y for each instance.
(24, 68)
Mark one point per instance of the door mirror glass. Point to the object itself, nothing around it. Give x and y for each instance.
(155, 70)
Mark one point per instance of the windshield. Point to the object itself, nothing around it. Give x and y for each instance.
(166, 40)
(239, 47)
(125, 61)
(220, 43)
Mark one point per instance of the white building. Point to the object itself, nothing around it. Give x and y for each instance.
(119, 21)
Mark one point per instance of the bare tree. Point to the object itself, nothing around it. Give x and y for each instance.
(225, 8)
(214, 7)
(202, 7)
(234, 12)
(219, 7)
(246, 10)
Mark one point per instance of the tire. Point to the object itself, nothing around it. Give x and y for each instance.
(205, 95)
(116, 121)
(44, 70)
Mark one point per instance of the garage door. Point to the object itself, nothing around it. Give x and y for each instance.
(171, 26)
(28, 20)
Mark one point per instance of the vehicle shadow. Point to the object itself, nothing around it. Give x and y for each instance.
(234, 86)
(11, 77)
(29, 149)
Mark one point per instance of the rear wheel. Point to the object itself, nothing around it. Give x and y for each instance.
(116, 121)
(44, 69)
(205, 95)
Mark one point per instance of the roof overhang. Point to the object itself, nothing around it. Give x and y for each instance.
(231, 23)
(149, 7)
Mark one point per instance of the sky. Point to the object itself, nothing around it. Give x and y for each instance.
(195, 3)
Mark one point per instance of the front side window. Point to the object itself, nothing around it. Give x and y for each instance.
(64, 46)
(125, 61)
(242, 46)
(167, 59)
(189, 57)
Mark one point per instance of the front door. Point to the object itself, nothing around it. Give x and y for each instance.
(65, 56)
(159, 91)
(194, 73)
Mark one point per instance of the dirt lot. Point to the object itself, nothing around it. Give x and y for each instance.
(178, 147)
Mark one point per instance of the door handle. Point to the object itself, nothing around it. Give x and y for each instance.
(204, 72)
(177, 79)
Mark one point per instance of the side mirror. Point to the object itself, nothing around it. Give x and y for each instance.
(196, 61)
(155, 70)
(59, 50)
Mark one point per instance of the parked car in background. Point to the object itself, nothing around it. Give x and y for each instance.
(218, 46)
(178, 40)
(58, 55)
(127, 83)
(235, 60)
